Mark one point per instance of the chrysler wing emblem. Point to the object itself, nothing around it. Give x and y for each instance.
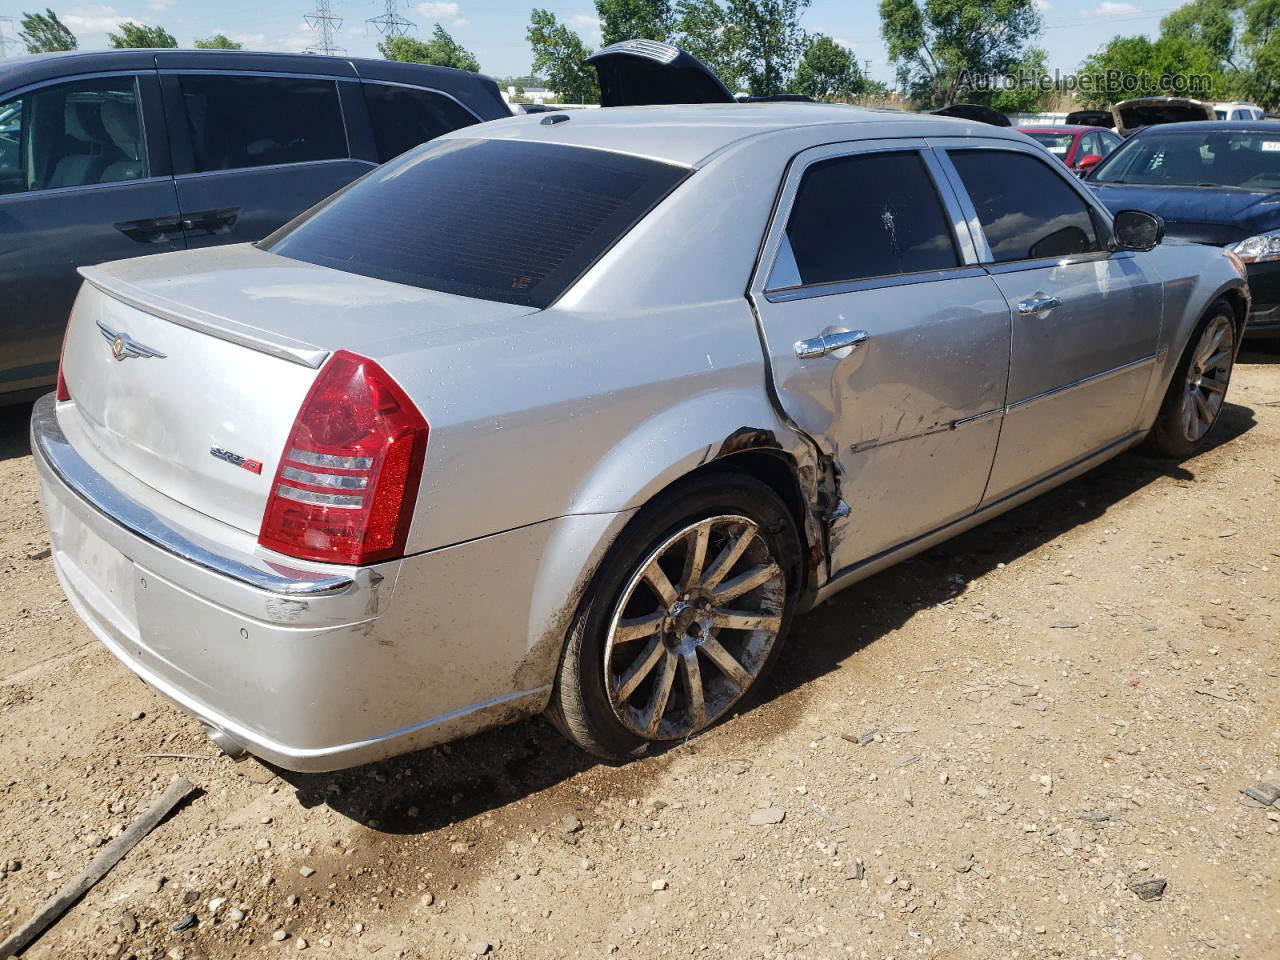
(124, 347)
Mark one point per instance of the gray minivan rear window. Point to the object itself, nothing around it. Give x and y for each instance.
(501, 220)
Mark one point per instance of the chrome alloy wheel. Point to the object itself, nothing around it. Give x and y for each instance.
(707, 605)
(1207, 378)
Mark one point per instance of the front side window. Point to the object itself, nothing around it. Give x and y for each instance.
(245, 121)
(504, 220)
(1218, 158)
(76, 134)
(1059, 144)
(1090, 146)
(1026, 209)
(871, 215)
(404, 117)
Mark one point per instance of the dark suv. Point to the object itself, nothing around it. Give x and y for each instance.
(118, 154)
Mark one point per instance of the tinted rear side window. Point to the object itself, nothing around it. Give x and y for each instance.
(1027, 210)
(403, 117)
(494, 219)
(241, 122)
(871, 215)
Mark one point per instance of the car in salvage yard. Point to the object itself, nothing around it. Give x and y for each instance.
(576, 412)
(123, 153)
(1081, 148)
(1212, 182)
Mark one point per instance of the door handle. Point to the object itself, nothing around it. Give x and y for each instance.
(150, 231)
(211, 221)
(829, 343)
(1037, 305)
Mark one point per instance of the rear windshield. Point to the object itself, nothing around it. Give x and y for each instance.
(501, 220)
(1056, 143)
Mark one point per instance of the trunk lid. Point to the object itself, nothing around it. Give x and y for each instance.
(637, 73)
(188, 370)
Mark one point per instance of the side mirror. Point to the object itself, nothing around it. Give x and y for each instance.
(1137, 230)
(1087, 163)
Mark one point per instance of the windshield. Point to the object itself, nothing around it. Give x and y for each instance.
(1216, 158)
(501, 220)
(1056, 143)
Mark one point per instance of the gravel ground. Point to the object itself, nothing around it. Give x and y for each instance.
(981, 753)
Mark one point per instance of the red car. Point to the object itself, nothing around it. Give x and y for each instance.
(1080, 148)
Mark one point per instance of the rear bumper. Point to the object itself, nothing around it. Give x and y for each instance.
(314, 669)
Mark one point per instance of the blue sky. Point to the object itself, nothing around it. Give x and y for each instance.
(495, 29)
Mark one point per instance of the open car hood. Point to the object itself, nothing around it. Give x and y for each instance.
(1142, 112)
(637, 73)
(975, 112)
(1091, 118)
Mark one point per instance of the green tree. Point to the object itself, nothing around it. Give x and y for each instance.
(441, 50)
(1210, 24)
(45, 33)
(828, 71)
(560, 55)
(140, 35)
(629, 19)
(1141, 66)
(769, 41)
(1027, 97)
(940, 46)
(704, 29)
(219, 41)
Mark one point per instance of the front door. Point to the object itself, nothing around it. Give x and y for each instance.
(254, 151)
(888, 345)
(1086, 321)
(82, 180)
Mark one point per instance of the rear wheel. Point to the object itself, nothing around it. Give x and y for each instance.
(683, 620)
(1199, 386)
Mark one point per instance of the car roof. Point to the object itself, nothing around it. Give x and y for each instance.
(1060, 128)
(688, 134)
(1211, 126)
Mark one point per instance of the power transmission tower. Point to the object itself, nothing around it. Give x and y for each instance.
(391, 24)
(6, 41)
(323, 22)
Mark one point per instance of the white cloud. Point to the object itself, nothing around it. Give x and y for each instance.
(1043, 5)
(95, 19)
(1108, 8)
(250, 41)
(449, 13)
(588, 24)
(297, 41)
(160, 4)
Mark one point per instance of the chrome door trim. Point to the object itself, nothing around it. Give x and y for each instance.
(414, 86)
(51, 447)
(1084, 381)
(787, 294)
(1018, 266)
(800, 163)
(272, 166)
(8, 95)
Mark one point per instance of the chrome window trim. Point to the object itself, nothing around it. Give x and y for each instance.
(799, 165)
(52, 449)
(233, 72)
(273, 166)
(59, 191)
(142, 127)
(836, 287)
(414, 86)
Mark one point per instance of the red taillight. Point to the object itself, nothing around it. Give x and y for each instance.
(348, 477)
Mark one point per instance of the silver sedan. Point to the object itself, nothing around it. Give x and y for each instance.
(575, 412)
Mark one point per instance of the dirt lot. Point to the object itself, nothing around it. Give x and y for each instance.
(1069, 700)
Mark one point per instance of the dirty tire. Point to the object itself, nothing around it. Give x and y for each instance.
(1169, 437)
(581, 705)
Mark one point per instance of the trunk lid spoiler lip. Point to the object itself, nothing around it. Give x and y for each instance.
(215, 325)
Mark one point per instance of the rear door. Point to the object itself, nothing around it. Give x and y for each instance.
(252, 150)
(1086, 321)
(84, 178)
(888, 344)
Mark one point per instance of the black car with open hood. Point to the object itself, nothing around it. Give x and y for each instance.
(977, 112)
(1091, 118)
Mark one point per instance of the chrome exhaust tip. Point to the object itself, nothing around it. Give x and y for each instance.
(225, 742)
